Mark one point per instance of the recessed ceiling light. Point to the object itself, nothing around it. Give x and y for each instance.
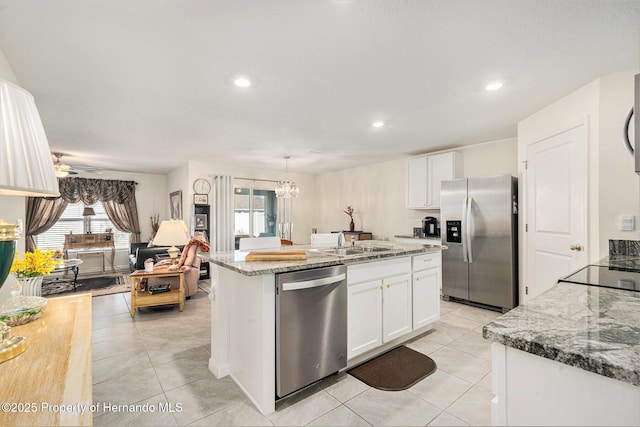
(377, 124)
(242, 82)
(493, 86)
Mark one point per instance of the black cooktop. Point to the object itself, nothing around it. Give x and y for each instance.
(607, 277)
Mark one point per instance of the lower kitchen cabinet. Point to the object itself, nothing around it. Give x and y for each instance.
(426, 297)
(378, 312)
(426, 284)
(378, 304)
(364, 308)
(396, 307)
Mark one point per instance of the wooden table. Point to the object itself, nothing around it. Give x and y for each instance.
(55, 370)
(142, 298)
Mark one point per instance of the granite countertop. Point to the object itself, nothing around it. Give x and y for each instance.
(315, 257)
(589, 327)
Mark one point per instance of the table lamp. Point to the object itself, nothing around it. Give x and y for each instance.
(26, 169)
(87, 213)
(172, 233)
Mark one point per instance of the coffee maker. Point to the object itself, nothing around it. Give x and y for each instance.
(430, 227)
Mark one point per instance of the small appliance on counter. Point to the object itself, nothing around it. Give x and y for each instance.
(430, 227)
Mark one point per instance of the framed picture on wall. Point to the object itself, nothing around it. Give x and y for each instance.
(200, 199)
(201, 221)
(175, 204)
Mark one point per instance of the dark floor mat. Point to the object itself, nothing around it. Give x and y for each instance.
(395, 370)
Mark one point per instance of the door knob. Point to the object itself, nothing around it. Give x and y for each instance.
(575, 247)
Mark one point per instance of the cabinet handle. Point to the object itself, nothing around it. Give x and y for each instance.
(380, 286)
(388, 285)
(428, 259)
(417, 279)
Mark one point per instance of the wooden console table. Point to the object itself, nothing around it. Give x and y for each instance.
(142, 298)
(80, 242)
(55, 370)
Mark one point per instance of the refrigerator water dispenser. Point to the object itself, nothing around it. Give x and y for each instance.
(453, 231)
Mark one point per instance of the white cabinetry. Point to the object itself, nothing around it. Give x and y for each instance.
(524, 383)
(424, 177)
(426, 285)
(396, 307)
(379, 303)
(365, 317)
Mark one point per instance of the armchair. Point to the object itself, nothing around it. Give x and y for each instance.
(191, 264)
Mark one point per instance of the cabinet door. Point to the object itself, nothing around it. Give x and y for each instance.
(364, 310)
(396, 307)
(440, 167)
(417, 183)
(426, 297)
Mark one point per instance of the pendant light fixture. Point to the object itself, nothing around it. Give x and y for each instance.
(286, 189)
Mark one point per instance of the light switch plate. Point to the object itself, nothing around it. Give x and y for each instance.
(626, 222)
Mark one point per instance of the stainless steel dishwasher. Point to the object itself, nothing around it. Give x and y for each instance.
(311, 326)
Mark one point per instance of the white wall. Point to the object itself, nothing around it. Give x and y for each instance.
(619, 186)
(6, 72)
(378, 192)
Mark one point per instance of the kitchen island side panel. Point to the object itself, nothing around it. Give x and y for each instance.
(247, 303)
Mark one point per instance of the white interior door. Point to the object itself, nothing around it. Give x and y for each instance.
(556, 197)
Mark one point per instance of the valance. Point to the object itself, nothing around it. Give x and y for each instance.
(90, 190)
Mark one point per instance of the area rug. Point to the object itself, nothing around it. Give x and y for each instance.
(395, 370)
(99, 285)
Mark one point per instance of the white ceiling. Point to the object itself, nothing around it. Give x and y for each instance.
(146, 85)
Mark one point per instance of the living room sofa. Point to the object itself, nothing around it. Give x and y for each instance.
(139, 252)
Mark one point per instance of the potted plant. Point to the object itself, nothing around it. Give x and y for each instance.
(30, 270)
(349, 212)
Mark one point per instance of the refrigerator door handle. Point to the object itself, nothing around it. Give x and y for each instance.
(465, 202)
(469, 229)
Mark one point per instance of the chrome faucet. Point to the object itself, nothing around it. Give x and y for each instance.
(341, 239)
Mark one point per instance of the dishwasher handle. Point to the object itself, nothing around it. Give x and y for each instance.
(308, 284)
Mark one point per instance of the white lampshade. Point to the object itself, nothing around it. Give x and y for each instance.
(171, 233)
(26, 168)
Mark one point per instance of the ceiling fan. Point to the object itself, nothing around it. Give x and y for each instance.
(63, 170)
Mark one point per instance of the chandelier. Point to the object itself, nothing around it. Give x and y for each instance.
(286, 189)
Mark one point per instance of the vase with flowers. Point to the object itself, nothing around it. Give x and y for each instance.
(349, 211)
(31, 269)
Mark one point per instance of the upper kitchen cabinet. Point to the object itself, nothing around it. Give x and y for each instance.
(424, 175)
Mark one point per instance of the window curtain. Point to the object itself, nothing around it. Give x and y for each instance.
(223, 214)
(42, 214)
(117, 197)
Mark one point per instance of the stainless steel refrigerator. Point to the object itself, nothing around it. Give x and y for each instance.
(479, 219)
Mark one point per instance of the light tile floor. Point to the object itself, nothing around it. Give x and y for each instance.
(153, 370)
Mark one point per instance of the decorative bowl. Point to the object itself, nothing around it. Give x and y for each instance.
(18, 310)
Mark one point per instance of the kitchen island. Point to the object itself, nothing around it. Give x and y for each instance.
(569, 357)
(243, 307)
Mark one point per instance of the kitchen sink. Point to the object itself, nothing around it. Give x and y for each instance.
(355, 250)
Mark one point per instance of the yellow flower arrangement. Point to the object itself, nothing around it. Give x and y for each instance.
(34, 264)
